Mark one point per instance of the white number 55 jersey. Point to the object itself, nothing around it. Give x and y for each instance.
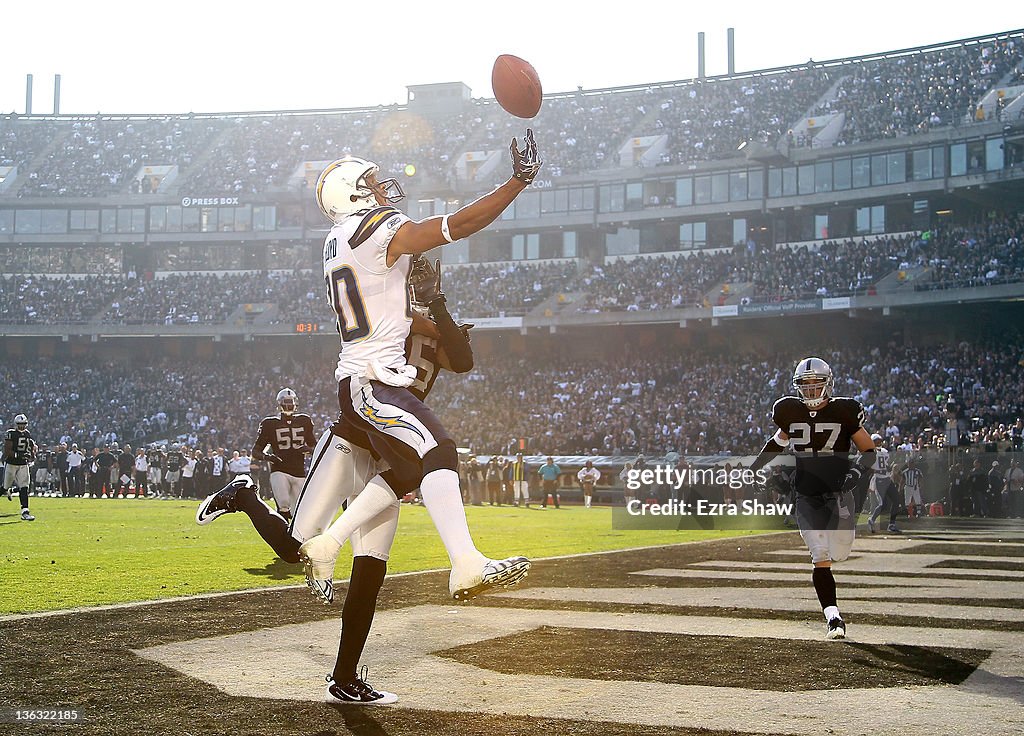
(370, 299)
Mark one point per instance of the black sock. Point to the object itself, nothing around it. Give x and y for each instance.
(270, 525)
(824, 586)
(23, 497)
(357, 616)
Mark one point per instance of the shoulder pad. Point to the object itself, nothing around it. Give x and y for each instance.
(782, 405)
(369, 224)
(851, 406)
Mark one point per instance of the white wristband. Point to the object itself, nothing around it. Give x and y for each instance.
(444, 229)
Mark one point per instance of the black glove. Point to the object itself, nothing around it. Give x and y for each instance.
(525, 163)
(425, 279)
(273, 458)
(852, 478)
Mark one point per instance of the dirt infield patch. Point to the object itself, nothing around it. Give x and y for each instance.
(718, 661)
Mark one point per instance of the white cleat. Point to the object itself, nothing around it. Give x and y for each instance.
(494, 574)
(318, 555)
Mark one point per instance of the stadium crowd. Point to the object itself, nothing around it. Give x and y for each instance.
(216, 403)
(703, 120)
(981, 254)
(96, 157)
(917, 92)
(200, 298)
(708, 121)
(653, 402)
(54, 299)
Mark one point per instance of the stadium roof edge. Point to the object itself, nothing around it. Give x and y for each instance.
(829, 63)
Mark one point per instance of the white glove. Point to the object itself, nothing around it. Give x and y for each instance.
(400, 377)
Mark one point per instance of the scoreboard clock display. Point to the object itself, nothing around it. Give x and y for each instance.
(307, 328)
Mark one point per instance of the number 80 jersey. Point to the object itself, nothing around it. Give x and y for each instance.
(820, 439)
(370, 299)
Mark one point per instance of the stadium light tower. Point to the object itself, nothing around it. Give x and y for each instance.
(28, 94)
(700, 55)
(731, 45)
(56, 94)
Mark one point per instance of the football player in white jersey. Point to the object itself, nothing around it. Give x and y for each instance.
(343, 464)
(885, 489)
(367, 258)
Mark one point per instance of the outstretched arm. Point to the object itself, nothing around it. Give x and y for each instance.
(418, 237)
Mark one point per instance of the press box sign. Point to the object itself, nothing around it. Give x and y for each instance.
(209, 201)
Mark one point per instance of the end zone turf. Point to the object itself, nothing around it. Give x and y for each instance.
(85, 552)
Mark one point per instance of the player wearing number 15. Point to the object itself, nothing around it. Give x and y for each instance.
(284, 440)
(367, 260)
(819, 429)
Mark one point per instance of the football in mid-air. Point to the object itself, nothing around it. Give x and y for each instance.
(516, 86)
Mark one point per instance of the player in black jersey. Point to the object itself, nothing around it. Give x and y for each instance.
(19, 452)
(284, 440)
(44, 459)
(172, 476)
(343, 466)
(155, 456)
(819, 429)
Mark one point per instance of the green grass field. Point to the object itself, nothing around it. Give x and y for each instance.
(83, 552)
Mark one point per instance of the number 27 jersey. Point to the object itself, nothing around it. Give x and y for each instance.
(370, 299)
(820, 439)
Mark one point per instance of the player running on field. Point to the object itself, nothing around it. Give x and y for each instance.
(819, 430)
(284, 440)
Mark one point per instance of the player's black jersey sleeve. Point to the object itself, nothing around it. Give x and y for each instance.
(454, 340)
(262, 439)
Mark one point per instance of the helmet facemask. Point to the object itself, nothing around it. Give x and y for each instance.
(814, 390)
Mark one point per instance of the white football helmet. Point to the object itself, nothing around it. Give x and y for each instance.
(286, 399)
(813, 381)
(348, 185)
(21, 422)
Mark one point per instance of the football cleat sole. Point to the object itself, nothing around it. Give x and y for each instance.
(203, 518)
(510, 576)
